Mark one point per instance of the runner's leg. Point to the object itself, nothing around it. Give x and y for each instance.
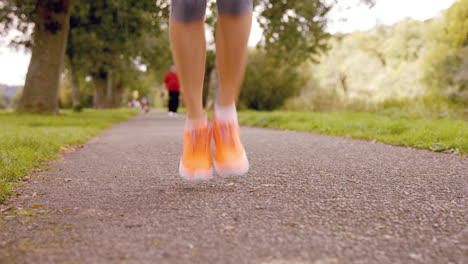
(232, 34)
(187, 35)
(176, 101)
(233, 30)
(171, 102)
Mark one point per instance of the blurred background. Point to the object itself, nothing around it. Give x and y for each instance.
(305, 55)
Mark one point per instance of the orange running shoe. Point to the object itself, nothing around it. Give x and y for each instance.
(229, 156)
(196, 163)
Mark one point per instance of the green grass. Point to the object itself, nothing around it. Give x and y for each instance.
(26, 140)
(393, 127)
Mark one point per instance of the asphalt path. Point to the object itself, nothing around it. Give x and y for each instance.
(306, 199)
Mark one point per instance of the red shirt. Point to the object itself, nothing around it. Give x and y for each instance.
(172, 82)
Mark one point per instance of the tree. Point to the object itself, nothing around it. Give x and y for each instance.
(405, 42)
(293, 30)
(75, 86)
(110, 39)
(51, 24)
(444, 64)
(16, 98)
(268, 83)
(3, 101)
(108, 36)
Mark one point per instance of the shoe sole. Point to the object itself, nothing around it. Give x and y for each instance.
(233, 168)
(197, 175)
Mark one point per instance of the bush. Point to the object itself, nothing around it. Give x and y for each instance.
(3, 103)
(16, 98)
(268, 83)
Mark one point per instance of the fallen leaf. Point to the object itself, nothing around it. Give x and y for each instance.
(36, 206)
(68, 179)
(351, 181)
(25, 178)
(228, 227)
(462, 211)
(58, 178)
(21, 248)
(65, 149)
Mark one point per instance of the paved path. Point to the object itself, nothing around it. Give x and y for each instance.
(307, 199)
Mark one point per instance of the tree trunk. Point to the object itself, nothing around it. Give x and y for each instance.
(100, 88)
(343, 77)
(109, 93)
(207, 84)
(117, 100)
(75, 88)
(52, 22)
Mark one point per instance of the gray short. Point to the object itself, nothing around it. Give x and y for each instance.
(191, 10)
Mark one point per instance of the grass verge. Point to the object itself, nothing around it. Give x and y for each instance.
(391, 127)
(27, 140)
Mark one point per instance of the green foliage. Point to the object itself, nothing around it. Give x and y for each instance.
(26, 140)
(19, 15)
(363, 69)
(453, 27)
(439, 62)
(114, 35)
(15, 100)
(3, 101)
(293, 30)
(390, 126)
(268, 83)
(410, 62)
(65, 100)
(445, 64)
(77, 108)
(112, 39)
(406, 42)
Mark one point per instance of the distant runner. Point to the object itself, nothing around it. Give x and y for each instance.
(172, 85)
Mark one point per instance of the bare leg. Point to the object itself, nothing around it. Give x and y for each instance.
(232, 35)
(189, 52)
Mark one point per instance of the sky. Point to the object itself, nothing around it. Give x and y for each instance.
(14, 63)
